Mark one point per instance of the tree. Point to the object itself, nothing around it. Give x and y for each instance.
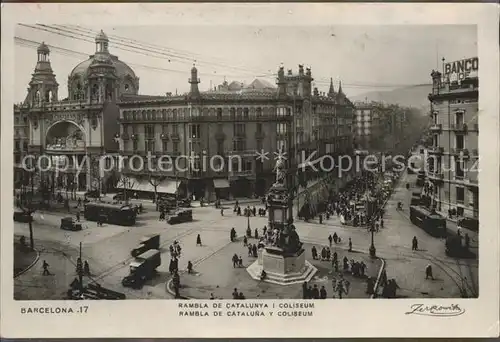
(155, 182)
(27, 205)
(126, 183)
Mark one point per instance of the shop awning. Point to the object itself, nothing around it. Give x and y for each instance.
(167, 187)
(221, 183)
(126, 182)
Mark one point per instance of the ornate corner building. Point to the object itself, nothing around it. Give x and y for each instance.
(224, 127)
(454, 155)
(77, 129)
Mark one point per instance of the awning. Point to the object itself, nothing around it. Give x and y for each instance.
(167, 187)
(221, 183)
(134, 184)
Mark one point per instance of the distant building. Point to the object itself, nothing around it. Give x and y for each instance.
(453, 156)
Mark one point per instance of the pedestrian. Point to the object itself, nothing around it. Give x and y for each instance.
(235, 260)
(221, 211)
(86, 268)
(254, 250)
(467, 241)
(241, 296)
(79, 201)
(232, 234)
(305, 293)
(212, 296)
(240, 261)
(235, 293)
(320, 218)
(314, 253)
(428, 272)
(190, 267)
(381, 223)
(45, 268)
(198, 240)
(245, 241)
(414, 244)
(249, 250)
(350, 245)
(322, 293)
(330, 240)
(335, 237)
(315, 292)
(256, 233)
(78, 216)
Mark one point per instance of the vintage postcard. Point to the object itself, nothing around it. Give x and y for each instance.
(250, 170)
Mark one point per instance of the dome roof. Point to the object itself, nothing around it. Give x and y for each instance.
(122, 69)
(43, 48)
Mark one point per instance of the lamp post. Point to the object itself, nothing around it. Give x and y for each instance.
(248, 220)
(373, 251)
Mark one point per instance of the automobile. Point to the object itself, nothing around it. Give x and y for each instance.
(468, 223)
(21, 216)
(119, 197)
(93, 194)
(181, 216)
(69, 223)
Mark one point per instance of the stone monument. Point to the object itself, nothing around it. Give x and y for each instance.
(281, 256)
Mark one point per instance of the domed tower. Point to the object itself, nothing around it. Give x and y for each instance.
(43, 85)
(101, 76)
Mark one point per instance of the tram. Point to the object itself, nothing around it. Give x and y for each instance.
(433, 223)
(123, 215)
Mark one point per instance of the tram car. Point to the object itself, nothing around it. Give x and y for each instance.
(430, 221)
(123, 215)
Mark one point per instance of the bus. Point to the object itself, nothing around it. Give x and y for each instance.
(433, 223)
(123, 215)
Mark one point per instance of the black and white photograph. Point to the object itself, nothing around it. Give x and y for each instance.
(248, 162)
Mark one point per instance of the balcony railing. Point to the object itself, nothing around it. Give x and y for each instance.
(436, 127)
(436, 175)
(245, 173)
(242, 153)
(435, 150)
(459, 128)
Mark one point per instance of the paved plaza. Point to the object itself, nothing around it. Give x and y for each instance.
(107, 249)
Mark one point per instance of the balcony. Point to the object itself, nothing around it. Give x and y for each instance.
(241, 153)
(125, 136)
(435, 150)
(459, 128)
(175, 136)
(66, 147)
(242, 173)
(240, 135)
(436, 176)
(259, 135)
(436, 128)
(460, 152)
(164, 136)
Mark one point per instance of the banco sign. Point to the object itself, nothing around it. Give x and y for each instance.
(462, 69)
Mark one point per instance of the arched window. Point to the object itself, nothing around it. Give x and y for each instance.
(144, 115)
(219, 113)
(164, 114)
(174, 114)
(232, 112)
(259, 112)
(245, 113)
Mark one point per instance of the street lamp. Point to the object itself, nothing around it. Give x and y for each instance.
(373, 251)
(248, 220)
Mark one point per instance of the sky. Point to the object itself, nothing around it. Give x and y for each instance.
(364, 58)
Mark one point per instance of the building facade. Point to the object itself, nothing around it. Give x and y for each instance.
(223, 129)
(454, 155)
(72, 133)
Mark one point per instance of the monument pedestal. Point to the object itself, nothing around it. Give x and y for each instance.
(282, 268)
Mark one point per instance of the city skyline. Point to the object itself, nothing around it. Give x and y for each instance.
(369, 53)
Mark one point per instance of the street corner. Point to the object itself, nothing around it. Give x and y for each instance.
(24, 258)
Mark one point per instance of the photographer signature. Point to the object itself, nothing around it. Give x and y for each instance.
(436, 310)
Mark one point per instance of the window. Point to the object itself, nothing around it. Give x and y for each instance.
(239, 129)
(150, 146)
(195, 131)
(460, 195)
(219, 113)
(281, 111)
(175, 129)
(259, 128)
(16, 120)
(164, 146)
(258, 112)
(245, 113)
(238, 145)
(17, 159)
(25, 146)
(459, 142)
(281, 128)
(248, 165)
(25, 120)
(164, 129)
(135, 145)
(127, 87)
(260, 145)
(176, 147)
(459, 118)
(232, 113)
(150, 131)
(174, 115)
(164, 114)
(459, 169)
(220, 148)
(16, 146)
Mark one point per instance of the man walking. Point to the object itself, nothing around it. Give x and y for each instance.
(45, 268)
